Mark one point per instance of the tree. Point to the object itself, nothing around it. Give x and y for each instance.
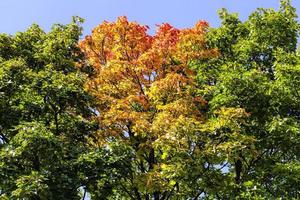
(44, 113)
(147, 99)
(257, 71)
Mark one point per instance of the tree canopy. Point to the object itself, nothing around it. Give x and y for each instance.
(45, 114)
(195, 113)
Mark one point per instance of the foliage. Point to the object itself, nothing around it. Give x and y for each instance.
(195, 113)
(44, 113)
(227, 131)
(258, 72)
(147, 98)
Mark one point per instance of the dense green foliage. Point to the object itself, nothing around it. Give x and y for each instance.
(44, 114)
(258, 71)
(244, 144)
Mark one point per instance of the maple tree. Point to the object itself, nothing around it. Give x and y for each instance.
(146, 95)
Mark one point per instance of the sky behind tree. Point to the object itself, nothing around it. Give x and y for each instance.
(17, 15)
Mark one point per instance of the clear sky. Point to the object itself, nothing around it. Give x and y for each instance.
(17, 15)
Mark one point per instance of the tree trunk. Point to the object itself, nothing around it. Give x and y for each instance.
(238, 170)
(151, 162)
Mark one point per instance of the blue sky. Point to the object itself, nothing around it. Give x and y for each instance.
(17, 15)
